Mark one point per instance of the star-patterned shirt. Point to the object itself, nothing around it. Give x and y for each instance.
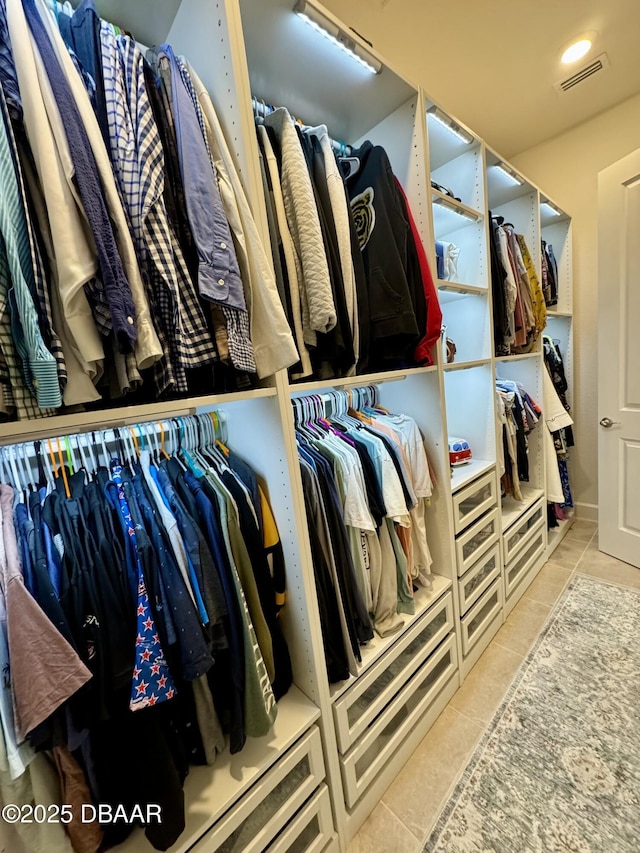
(152, 681)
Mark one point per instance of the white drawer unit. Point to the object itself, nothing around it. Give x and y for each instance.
(311, 829)
(474, 500)
(252, 824)
(475, 540)
(481, 615)
(370, 754)
(356, 709)
(519, 534)
(479, 578)
(517, 569)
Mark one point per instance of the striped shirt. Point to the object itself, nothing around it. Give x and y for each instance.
(39, 369)
(138, 160)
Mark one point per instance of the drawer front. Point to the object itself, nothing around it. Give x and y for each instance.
(260, 815)
(370, 755)
(475, 540)
(360, 705)
(480, 616)
(311, 829)
(474, 500)
(520, 533)
(479, 578)
(518, 568)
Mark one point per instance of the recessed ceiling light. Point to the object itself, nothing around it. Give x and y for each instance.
(576, 51)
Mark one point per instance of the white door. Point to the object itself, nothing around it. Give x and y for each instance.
(619, 359)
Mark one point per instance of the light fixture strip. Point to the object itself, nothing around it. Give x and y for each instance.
(448, 123)
(342, 40)
(513, 176)
(450, 205)
(551, 208)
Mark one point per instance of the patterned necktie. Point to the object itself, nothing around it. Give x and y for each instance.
(152, 681)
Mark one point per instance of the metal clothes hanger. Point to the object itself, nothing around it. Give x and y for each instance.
(119, 444)
(3, 473)
(84, 439)
(19, 486)
(151, 439)
(81, 450)
(177, 451)
(11, 472)
(26, 466)
(164, 452)
(349, 166)
(104, 449)
(132, 443)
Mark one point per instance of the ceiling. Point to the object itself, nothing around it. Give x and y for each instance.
(493, 63)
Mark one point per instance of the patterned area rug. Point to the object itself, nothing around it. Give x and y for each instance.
(558, 770)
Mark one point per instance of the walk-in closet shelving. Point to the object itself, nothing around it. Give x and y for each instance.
(292, 65)
(555, 229)
(456, 166)
(220, 798)
(521, 564)
(404, 680)
(516, 201)
(470, 413)
(455, 158)
(463, 474)
(470, 408)
(513, 197)
(529, 373)
(466, 365)
(467, 323)
(333, 750)
(560, 328)
(246, 787)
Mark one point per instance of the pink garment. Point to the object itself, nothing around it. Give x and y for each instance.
(45, 669)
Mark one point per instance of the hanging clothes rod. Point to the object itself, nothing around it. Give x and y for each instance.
(26, 463)
(261, 109)
(308, 407)
(141, 429)
(86, 422)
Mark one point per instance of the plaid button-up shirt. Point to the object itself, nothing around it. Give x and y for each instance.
(138, 162)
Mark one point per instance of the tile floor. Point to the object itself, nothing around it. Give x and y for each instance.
(409, 808)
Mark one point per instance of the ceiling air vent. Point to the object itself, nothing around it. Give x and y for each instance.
(596, 65)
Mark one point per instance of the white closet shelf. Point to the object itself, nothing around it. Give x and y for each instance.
(373, 651)
(466, 473)
(451, 291)
(362, 379)
(518, 356)
(18, 431)
(551, 312)
(467, 365)
(135, 17)
(210, 791)
(557, 534)
(512, 509)
(450, 215)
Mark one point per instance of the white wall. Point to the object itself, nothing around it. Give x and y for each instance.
(567, 169)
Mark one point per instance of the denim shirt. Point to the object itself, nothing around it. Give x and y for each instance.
(218, 272)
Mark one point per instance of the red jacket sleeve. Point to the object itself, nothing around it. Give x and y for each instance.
(434, 313)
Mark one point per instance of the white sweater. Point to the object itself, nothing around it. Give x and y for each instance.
(318, 308)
